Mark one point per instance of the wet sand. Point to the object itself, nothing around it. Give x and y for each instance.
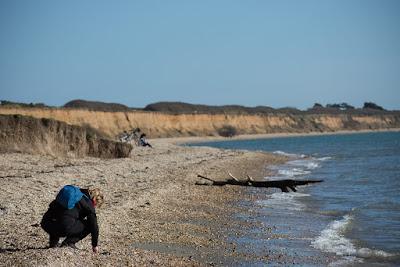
(154, 213)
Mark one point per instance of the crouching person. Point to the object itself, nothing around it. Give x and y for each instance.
(72, 215)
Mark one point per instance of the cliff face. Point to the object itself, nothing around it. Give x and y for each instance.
(46, 136)
(168, 125)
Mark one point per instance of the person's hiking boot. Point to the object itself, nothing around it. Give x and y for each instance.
(53, 242)
(69, 245)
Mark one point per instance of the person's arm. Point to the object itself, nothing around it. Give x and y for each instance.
(92, 222)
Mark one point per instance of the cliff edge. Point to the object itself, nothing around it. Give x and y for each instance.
(47, 136)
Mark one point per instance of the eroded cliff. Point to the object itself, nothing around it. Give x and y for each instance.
(47, 136)
(168, 125)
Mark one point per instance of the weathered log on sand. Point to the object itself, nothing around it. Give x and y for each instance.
(284, 185)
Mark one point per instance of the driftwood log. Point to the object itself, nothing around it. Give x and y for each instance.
(284, 185)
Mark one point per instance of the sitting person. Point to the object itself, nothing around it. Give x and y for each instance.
(72, 215)
(143, 141)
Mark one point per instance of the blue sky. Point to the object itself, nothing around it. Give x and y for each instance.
(274, 53)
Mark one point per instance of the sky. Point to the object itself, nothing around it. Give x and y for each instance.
(278, 53)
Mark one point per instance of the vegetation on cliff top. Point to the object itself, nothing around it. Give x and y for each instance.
(96, 105)
(186, 108)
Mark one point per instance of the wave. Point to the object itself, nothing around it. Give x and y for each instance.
(293, 172)
(324, 158)
(300, 165)
(309, 163)
(286, 201)
(291, 155)
(332, 240)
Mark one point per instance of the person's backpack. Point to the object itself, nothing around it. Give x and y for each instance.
(68, 196)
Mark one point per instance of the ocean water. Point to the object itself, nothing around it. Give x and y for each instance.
(354, 215)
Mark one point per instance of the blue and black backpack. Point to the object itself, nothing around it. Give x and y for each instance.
(68, 196)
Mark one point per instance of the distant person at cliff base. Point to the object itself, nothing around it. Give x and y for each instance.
(72, 215)
(143, 141)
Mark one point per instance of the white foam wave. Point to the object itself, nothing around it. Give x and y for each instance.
(291, 155)
(332, 240)
(323, 158)
(285, 201)
(309, 164)
(293, 172)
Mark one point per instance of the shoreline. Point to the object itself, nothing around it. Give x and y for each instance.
(201, 139)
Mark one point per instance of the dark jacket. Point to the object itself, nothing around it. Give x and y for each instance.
(59, 221)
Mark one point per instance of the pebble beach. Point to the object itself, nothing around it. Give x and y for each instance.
(154, 213)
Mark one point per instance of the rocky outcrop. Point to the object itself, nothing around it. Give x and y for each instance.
(47, 136)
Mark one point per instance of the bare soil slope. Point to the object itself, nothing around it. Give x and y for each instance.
(46, 136)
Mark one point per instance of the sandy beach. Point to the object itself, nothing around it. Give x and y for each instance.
(154, 213)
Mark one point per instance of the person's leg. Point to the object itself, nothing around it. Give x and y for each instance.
(53, 242)
(51, 228)
(147, 144)
(78, 232)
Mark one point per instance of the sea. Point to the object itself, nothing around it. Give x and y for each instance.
(353, 215)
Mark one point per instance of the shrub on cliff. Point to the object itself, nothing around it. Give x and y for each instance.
(370, 105)
(317, 105)
(24, 105)
(227, 131)
(342, 106)
(186, 108)
(96, 105)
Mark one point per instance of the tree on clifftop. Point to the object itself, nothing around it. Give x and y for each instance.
(370, 105)
(342, 106)
(317, 105)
